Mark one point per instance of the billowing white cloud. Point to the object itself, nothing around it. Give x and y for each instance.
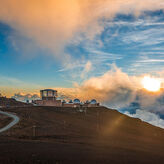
(117, 89)
(114, 87)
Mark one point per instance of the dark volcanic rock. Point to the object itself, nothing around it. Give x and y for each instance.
(65, 135)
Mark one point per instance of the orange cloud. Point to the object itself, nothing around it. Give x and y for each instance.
(53, 23)
(114, 86)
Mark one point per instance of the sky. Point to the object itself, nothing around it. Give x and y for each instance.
(84, 48)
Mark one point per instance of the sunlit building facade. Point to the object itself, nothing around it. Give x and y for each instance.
(49, 98)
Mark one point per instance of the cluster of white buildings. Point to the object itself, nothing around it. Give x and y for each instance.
(49, 98)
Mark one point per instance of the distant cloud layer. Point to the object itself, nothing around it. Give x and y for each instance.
(25, 97)
(148, 117)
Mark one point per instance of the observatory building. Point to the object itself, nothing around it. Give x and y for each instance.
(48, 94)
(48, 98)
(92, 103)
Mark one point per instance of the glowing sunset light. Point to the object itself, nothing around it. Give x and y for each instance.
(151, 84)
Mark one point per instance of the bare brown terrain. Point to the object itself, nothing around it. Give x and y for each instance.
(4, 120)
(65, 135)
(11, 102)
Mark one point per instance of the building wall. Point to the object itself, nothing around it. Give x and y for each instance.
(38, 102)
(71, 105)
(67, 105)
(48, 102)
(49, 98)
(59, 103)
(52, 103)
(93, 105)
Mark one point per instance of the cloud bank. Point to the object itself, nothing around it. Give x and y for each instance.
(114, 87)
(24, 97)
(118, 90)
(148, 117)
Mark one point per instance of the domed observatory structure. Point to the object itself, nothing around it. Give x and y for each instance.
(68, 104)
(76, 101)
(93, 103)
(48, 98)
(48, 94)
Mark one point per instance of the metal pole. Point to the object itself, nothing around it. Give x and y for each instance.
(64, 131)
(98, 121)
(85, 110)
(34, 130)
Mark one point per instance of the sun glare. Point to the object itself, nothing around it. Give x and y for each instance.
(151, 84)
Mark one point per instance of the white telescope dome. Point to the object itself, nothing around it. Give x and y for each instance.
(93, 101)
(76, 101)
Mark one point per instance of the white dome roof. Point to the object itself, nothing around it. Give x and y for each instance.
(76, 101)
(93, 101)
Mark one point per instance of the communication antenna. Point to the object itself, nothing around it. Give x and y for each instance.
(34, 131)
